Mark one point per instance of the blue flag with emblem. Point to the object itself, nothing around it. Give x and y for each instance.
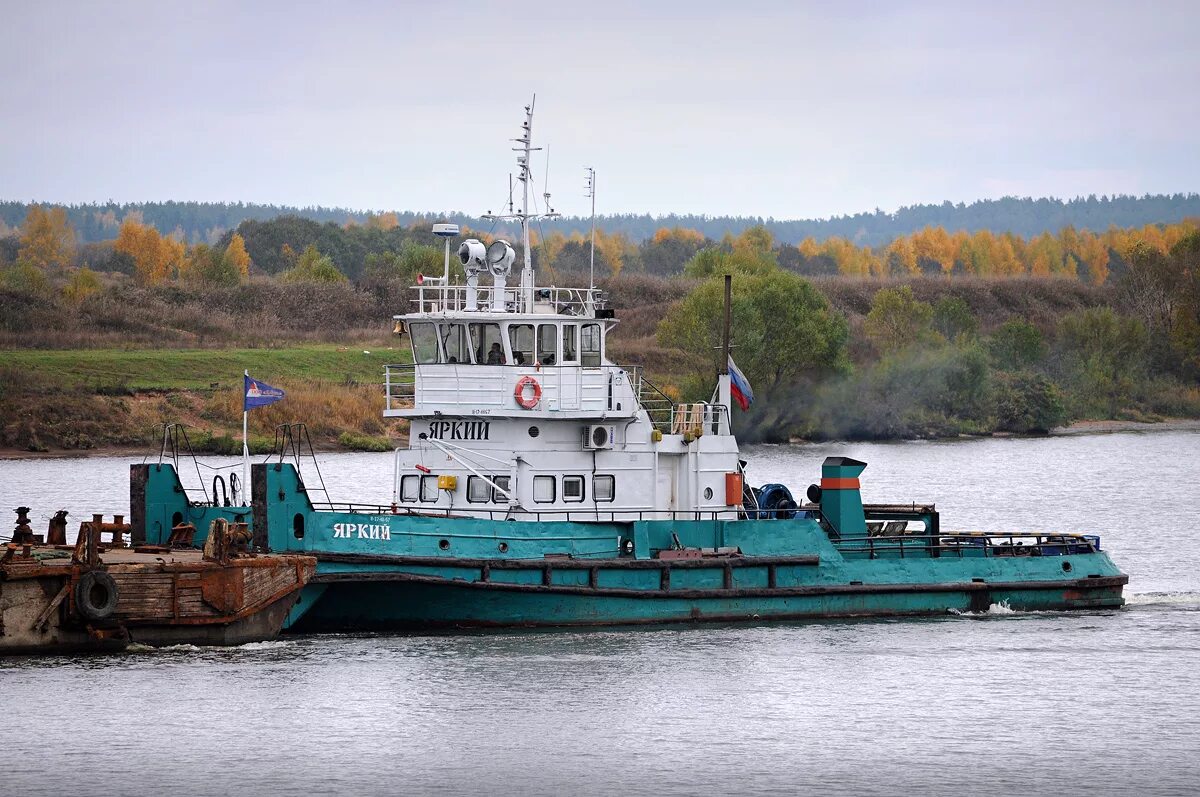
(259, 394)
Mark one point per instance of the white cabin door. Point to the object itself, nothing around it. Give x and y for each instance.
(570, 375)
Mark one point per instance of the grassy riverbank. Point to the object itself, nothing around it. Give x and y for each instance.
(81, 399)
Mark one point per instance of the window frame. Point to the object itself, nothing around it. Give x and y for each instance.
(430, 478)
(543, 479)
(569, 331)
(501, 481)
(472, 481)
(612, 481)
(481, 346)
(410, 478)
(537, 345)
(425, 328)
(529, 355)
(585, 354)
(582, 489)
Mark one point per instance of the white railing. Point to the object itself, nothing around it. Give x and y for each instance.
(581, 302)
(698, 419)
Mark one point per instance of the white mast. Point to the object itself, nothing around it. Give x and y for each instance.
(524, 151)
(523, 161)
(591, 192)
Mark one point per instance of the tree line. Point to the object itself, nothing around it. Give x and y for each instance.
(382, 247)
(208, 222)
(908, 367)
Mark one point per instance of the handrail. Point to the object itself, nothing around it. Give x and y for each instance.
(563, 301)
(958, 543)
(589, 514)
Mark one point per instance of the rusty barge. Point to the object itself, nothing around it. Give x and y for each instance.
(103, 594)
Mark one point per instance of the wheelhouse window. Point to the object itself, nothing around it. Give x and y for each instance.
(478, 491)
(424, 342)
(456, 347)
(547, 344)
(410, 488)
(570, 343)
(591, 345)
(429, 489)
(543, 489)
(604, 487)
(572, 489)
(487, 343)
(520, 341)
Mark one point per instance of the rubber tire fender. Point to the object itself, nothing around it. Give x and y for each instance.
(93, 584)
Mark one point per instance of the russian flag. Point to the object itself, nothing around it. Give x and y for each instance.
(739, 387)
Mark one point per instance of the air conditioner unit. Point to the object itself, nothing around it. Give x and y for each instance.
(598, 437)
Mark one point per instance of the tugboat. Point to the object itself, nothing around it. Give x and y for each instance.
(545, 485)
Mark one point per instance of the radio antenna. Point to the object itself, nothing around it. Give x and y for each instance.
(591, 192)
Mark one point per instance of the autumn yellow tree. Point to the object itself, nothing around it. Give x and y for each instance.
(755, 241)
(1093, 252)
(155, 258)
(384, 221)
(551, 247)
(615, 247)
(237, 256)
(901, 257)
(47, 239)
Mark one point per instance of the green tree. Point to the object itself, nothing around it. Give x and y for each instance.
(1016, 344)
(312, 266)
(717, 262)
(1185, 332)
(83, 283)
(208, 266)
(897, 319)
(24, 277)
(952, 318)
(1103, 356)
(782, 327)
(1028, 402)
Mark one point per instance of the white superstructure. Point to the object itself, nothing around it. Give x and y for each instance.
(516, 411)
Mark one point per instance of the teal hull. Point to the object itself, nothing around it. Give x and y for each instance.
(397, 605)
(387, 570)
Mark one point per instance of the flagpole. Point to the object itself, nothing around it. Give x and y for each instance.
(245, 443)
(723, 391)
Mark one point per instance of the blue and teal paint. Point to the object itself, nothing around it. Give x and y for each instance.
(390, 570)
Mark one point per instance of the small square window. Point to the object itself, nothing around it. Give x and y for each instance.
(543, 489)
(573, 488)
(478, 491)
(410, 488)
(501, 482)
(429, 489)
(603, 488)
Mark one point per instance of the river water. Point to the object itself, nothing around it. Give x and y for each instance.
(1104, 702)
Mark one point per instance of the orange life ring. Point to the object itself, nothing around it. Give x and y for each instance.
(519, 392)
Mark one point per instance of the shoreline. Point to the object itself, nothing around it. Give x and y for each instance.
(1076, 428)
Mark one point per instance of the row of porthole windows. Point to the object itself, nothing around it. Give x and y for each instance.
(545, 489)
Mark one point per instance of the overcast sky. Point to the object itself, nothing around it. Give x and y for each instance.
(783, 109)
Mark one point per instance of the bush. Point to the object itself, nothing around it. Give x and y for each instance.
(358, 442)
(1028, 402)
(1016, 345)
(897, 319)
(1101, 358)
